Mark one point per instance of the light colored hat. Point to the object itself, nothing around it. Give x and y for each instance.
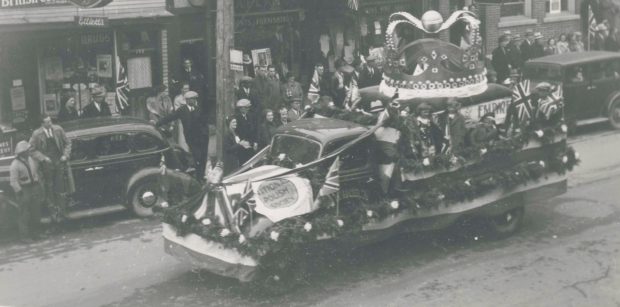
(529, 32)
(538, 35)
(246, 79)
(601, 27)
(376, 106)
(243, 103)
(190, 94)
(98, 91)
(507, 32)
(577, 33)
(424, 107)
(545, 86)
(246, 59)
(22, 147)
(371, 57)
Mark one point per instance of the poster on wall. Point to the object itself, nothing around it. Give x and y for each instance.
(18, 102)
(104, 65)
(261, 57)
(53, 68)
(139, 72)
(50, 104)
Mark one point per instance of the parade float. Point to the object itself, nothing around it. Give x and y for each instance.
(438, 145)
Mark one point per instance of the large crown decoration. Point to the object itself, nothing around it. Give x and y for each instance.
(430, 67)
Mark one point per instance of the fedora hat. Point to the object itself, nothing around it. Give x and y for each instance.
(98, 91)
(376, 106)
(190, 94)
(241, 103)
(538, 35)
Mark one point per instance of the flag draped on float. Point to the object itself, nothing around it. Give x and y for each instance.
(521, 100)
(332, 179)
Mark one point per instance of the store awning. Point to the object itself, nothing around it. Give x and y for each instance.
(116, 10)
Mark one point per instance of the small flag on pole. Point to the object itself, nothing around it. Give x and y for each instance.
(122, 87)
(332, 179)
(521, 100)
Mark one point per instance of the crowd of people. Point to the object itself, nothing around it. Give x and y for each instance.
(513, 50)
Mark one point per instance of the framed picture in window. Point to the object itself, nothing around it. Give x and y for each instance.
(104, 65)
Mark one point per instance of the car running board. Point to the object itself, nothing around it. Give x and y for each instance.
(591, 121)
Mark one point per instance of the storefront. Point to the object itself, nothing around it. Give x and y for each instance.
(56, 51)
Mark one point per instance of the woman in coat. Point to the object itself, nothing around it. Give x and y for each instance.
(234, 147)
(267, 129)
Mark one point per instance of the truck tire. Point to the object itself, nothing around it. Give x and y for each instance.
(506, 223)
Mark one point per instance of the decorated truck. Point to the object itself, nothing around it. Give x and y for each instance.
(436, 145)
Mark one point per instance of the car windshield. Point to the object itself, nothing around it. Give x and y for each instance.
(297, 149)
(534, 72)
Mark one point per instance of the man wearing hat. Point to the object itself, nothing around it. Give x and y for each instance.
(538, 49)
(337, 83)
(370, 74)
(425, 136)
(452, 123)
(247, 129)
(245, 90)
(486, 132)
(527, 46)
(195, 130)
(98, 106)
(51, 149)
(24, 179)
(501, 59)
(514, 51)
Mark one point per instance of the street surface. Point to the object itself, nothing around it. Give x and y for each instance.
(567, 254)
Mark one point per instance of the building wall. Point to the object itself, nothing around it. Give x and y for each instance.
(539, 21)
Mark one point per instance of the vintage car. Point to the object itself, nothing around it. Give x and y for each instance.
(116, 163)
(339, 179)
(590, 82)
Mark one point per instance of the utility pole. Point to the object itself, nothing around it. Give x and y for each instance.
(224, 37)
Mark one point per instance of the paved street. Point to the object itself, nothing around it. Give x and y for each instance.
(568, 254)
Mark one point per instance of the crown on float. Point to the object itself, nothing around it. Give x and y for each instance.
(430, 67)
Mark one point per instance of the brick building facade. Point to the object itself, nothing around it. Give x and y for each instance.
(549, 17)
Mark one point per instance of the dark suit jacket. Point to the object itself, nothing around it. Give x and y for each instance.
(527, 51)
(195, 125)
(91, 111)
(367, 79)
(458, 131)
(514, 53)
(501, 62)
(246, 128)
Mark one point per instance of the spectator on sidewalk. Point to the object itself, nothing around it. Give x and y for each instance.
(562, 44)
(98, 106)
(179, 101)
(234, 146)
(501, 59)
(575, 44)
(25, 181)
(247, 129)
(266, 129)
(291, 90)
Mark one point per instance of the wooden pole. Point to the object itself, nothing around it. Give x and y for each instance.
(224, 37)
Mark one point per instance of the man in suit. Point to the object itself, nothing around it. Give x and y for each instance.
(501, 59)
(195, 130)
(52, 149)
(527, 47)
(318, 87)
(371, 74)
(452, 124)
(337, 86)
(249, 92)
(295, 111)
(246, 128)
(196, 81)
(98, 106)
(538, 49)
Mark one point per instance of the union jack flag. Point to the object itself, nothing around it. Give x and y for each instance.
(332, 179)
(521, 100)
(122, 87)
(549, 105)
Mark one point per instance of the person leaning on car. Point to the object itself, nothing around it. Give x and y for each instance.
(24, 179)
(195, 130)
(51, 148)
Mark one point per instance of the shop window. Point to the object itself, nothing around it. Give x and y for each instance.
(112, 145)
(556, 6)
(70, 66)
(139, 50)
(513, 8)
(143, 142)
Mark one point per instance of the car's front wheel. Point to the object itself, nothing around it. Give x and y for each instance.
(143, 196)
(614, 112)
(507, 223)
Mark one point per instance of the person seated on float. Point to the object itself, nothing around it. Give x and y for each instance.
(452, 124)
(486, 131)
(548, 107)
(425, 136)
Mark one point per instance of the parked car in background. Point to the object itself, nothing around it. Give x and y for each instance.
(116, 161)
(590, 82)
